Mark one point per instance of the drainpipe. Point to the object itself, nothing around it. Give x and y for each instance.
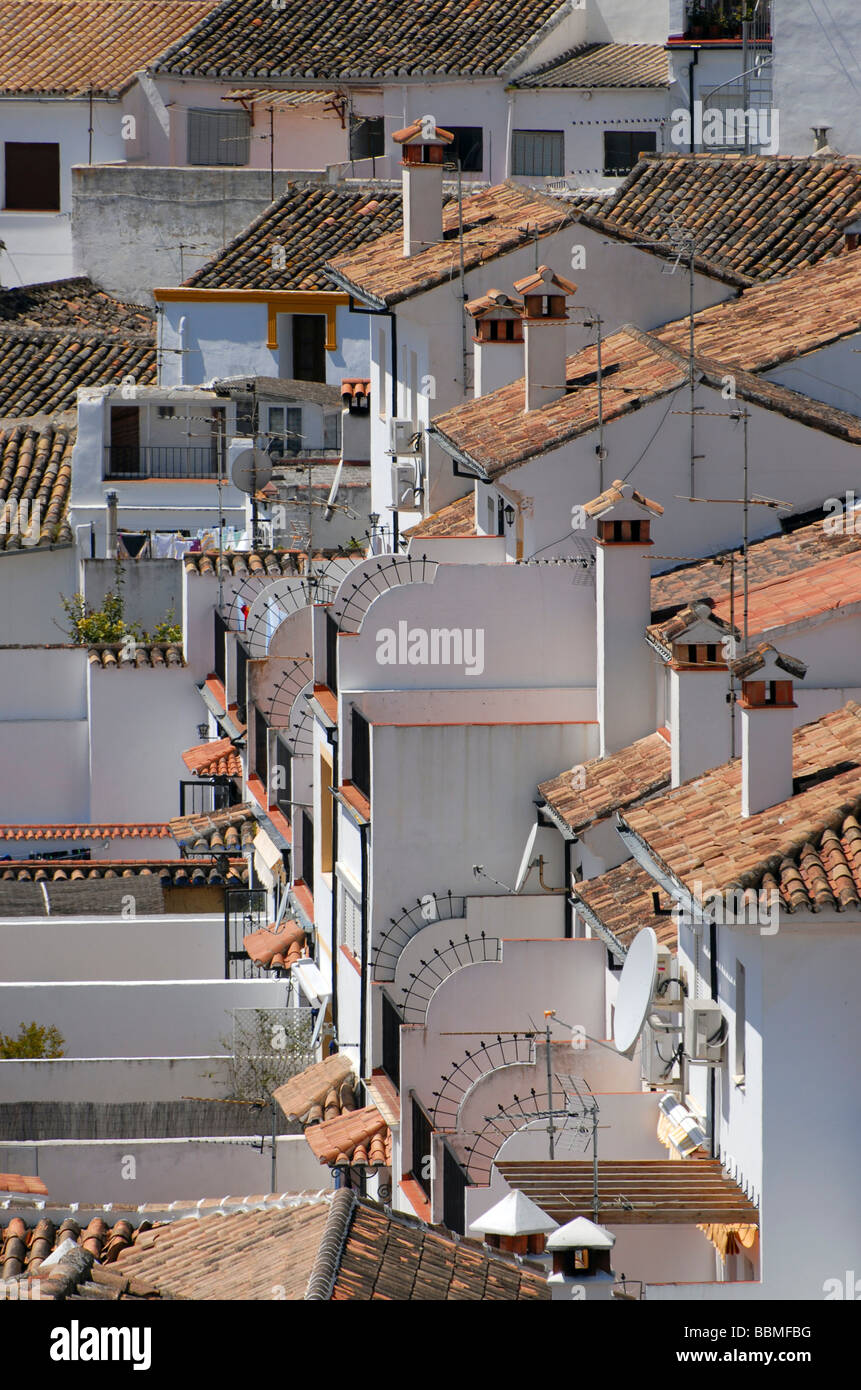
(111, 537)
(336, 810)
(509, 119)
(569, 906)
(363, 1003)
(695, 58)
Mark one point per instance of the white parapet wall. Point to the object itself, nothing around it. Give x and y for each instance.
(182, 1018)
(106, 948)
(105, 1079)
(165, 1170)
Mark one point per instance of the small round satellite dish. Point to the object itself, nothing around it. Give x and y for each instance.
(251, 470)
(636, 991)
(526, 861)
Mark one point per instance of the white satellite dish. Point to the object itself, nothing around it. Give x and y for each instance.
(527, 861)
(636, 991)
(251, 470)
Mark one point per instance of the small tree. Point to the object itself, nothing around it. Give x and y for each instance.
(33, 1041)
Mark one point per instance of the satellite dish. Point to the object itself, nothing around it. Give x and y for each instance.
(527, 861)
(251, 470)
(636, 991)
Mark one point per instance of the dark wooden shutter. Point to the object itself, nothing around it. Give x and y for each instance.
(218, 137)
(32, 177)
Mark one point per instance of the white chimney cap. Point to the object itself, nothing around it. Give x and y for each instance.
(515, 1215)
(581, 1234)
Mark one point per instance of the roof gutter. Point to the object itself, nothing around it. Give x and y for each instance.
(474, 469)
(610, 941)
(356, 291)
(672, 886)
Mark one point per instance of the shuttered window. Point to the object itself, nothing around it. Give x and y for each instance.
(351, 923)
(622, 149)
(538, 152)
(218, 137)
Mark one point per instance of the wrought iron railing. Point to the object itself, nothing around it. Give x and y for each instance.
(160, 461)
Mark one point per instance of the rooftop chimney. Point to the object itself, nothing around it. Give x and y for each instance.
(498, 340)
(626, 676)
(111, 523)
(767, 720)
(545, 318)
(423, 145)
(700, 717)
(515, 1225)
(581, 1256)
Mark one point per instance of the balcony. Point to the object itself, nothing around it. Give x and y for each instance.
(714, 21)
(136, 461)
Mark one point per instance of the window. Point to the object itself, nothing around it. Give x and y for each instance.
(391, 1041)
(538, 152)
(125, 453)
(261, 748)
(622, 149)
(422, 1131)
(241, 682)
(361, 754)
(309, 347)
(367, 137)
(285, 430)
(246, 415)
(218, 137)
(467, 146)
(32, 177)
(220, 630)
(740, 1022)
(351, 924)
(332, 431)
(331, 654)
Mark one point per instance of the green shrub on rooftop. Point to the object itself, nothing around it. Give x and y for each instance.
(33, 1041)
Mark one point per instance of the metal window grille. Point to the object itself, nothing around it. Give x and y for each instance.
(220, 630)
(422, 1131)
(284, 778)
(308, 852)
(538, 152)
(361, 754)
(218, 137)
(261, 748)
(331, 654)
(453, 1192)
(351, 923)
(391, 1041)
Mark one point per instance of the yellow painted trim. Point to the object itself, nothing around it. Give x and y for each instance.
(277, 302)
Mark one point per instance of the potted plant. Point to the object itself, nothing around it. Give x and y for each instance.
(696, 21)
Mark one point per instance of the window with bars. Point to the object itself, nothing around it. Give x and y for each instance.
(332, 654)
(283, 778)
(220, 630)
(241, 682)
(308, 852)
(422, 1131)
(218, 137)
(538, 152)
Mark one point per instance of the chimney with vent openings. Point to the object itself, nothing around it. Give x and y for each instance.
(497, 339)
(767, 720)
(626, 673)
(852, 234)
(545, 320)
(355, 420)
(423, 144)
(700, 717)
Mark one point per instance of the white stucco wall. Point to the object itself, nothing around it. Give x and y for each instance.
(105, 948)
(815, 77)
(101, 1079)
(118, 1018)
(32, 583)
(166, 1170)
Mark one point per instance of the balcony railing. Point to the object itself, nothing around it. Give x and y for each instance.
(722, 19)
(161, 461)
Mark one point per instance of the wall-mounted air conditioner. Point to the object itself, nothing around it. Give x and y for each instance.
(404, 438)
(668, 992)
(706, 1032)
(404, 484)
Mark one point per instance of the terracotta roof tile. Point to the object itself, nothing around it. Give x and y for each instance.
(618, 491)
(602, 786)
(697, 833)
(130, 830)
(41, 369)
(622, 900)
(495, 432)
(170, 873)
(603, 65)
(495, 220)
(276, 949)
(231, 831)
(111, 656)
(241, 563)
(355, 1138)
(244, 39)
(455, 519)
(754, 215)
(312, 223)
(35, 482)
(309, 1088)
(217, 758)
(784, 555)
(69, 46)
(18, 1182)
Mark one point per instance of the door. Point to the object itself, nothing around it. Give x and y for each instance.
(125, 454)
(309, 347)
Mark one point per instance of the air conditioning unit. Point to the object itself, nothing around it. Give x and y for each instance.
(404, 438)
(668, 991)
(404, 483)
(705, 1033)
(657, 1071)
